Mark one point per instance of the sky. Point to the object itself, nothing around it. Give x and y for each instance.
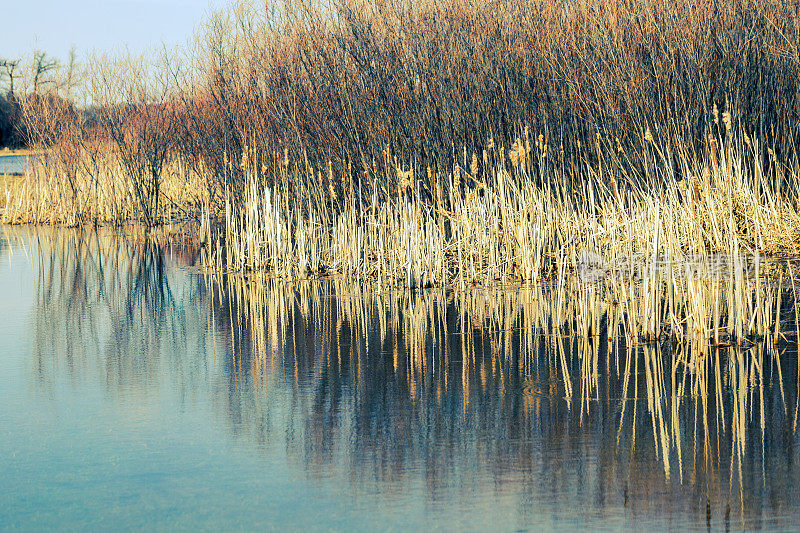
(93, 25)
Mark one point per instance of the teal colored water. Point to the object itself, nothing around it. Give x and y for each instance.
(13, 164)
(136, 394)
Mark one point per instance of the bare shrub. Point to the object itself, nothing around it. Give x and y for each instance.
(136, 112)
(356, 83)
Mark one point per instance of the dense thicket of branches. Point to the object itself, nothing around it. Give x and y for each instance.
(344, 81)
(349, 85)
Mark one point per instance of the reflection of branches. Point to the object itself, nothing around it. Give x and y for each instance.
(4, 245)
(489, 388)
(466, 393)
(107, 304)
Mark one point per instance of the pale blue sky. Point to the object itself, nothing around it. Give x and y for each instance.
(103, 26)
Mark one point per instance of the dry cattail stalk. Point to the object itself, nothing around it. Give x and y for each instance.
(712, 142)
(332, 190)
(517, 153)
(405, 179)
(726, 119)
(527, 141)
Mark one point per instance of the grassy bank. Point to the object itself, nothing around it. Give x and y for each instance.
(21, 151)
(97, 191)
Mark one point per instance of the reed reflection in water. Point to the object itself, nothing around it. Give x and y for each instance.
(113, 296)
(488, 391)
(510, 407)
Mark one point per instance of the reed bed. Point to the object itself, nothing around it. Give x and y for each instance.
(663, 252)
(509, 222)
(96, 191)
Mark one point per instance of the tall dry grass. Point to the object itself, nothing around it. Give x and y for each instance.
(443, 141)
(99, 192)
(509, 222)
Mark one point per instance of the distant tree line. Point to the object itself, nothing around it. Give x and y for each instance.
(9, 107)
(39, 76)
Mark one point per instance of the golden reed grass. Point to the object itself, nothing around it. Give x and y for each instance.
(665, 249)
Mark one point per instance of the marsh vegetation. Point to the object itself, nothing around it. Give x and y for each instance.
(443, 246)
(450, 143)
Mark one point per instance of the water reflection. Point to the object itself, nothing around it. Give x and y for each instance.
(112, 296)
(465, 399)
(477, 388)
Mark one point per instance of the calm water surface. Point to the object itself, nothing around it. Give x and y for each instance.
(13, 164)
(137, 394)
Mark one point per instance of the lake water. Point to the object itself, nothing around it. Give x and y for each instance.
(13, 164)
(137, 393)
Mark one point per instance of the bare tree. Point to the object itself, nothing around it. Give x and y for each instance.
(53, 122)
(137, 112)
(9, 66)
(42, 69)
(71, 74)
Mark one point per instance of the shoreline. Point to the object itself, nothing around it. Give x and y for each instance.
(9, 152)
